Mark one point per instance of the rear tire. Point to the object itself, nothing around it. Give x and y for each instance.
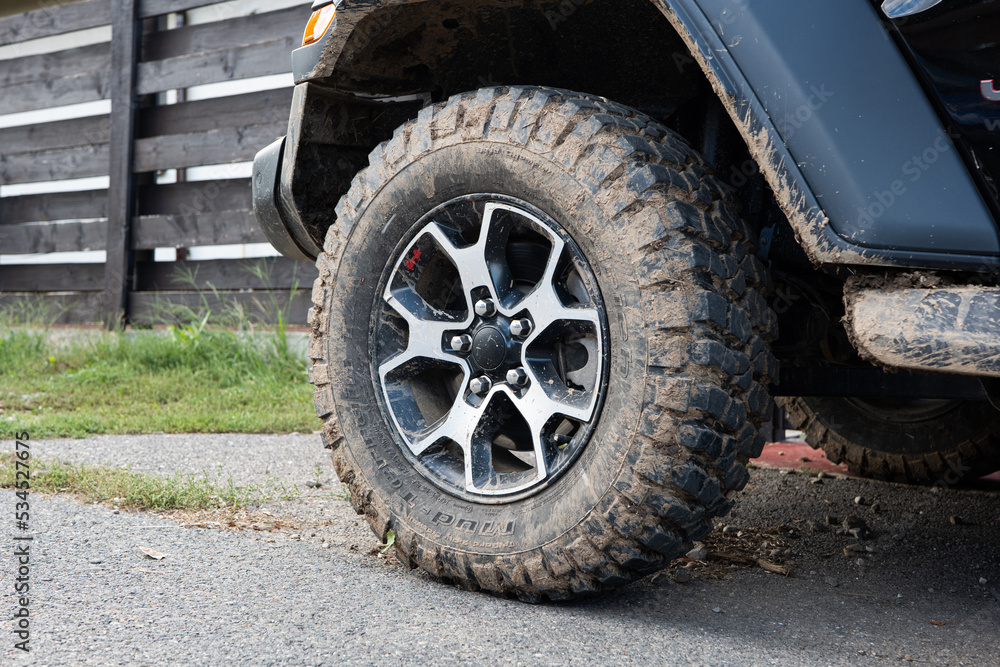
(911, 441)
(680, 328)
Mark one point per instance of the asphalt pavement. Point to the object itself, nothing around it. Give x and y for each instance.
(917, 581)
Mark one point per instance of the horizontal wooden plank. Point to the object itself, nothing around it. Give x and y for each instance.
(228, 34)
(220, 146)
(54, 20)
(51, 277)
(259, 108)
(195, 229)
(54, 206)
(154, 307)
(149, 8)
(55, 65)
(272, 57)
(62, 307)
(53, 237)
(60, 134)
(78, 162)
(226, 274)
(195, 197)
(46, 93)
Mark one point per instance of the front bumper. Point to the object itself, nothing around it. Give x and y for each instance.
(285, 232)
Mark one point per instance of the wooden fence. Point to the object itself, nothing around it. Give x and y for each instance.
(138, 138)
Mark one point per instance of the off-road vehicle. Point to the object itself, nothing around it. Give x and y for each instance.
(563, 246)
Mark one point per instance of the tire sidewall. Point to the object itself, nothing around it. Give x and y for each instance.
(479, 167)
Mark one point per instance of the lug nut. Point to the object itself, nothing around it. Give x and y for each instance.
(486, 308)
(521, 328)
(480, 385)
(461, 343)
(517, 377)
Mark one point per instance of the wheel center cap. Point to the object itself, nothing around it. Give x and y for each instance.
(489, 348)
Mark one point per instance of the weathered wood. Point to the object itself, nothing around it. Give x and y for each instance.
(54, 20)
(239, 31)
(150, 8)
(195, 229)
(59, 134)
(79, 162)
(54, 206)
(56, 64)
(52, 237)
(273, 57)
(219, 146)
(154, 307)
(121, 192)
(225, 274)
(195, 197)
(64, 308)
(51, 277)
(46, 93)
(259, 108)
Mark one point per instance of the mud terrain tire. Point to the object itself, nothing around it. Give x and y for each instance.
(914, 442)
(687, 330)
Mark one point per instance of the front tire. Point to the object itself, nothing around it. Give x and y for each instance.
(600, 443)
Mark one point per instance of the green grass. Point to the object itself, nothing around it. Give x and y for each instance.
(187, 378)
(135, 490)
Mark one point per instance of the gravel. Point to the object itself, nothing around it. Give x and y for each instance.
(255, 597)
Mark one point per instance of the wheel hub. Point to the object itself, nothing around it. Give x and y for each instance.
(489, 348)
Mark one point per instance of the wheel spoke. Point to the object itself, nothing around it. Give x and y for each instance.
(573, 403)
(458, 425)
(478, 265)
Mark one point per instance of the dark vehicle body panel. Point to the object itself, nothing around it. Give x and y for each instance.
(956, 45)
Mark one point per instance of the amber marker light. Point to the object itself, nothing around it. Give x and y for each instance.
(318, 24)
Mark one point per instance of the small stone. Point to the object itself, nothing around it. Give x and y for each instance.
(776, 552)
(816, 480)
(739, 533)
(313, 484)
(982, 581)
(781, 453)
(831, 581)
(832, 520)
(853, 548)
(699, 552)
(955, 520)
(326, 545)
(822, 475)
(98, 561)
(859, 500)
(716, 610)
(785, 472)
(875, 508)
(870, 549)
(815, 526)
(657, 578)
(729, 529)
(682, 577)
(859, 561)
(115, 511)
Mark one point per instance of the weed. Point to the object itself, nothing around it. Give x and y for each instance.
(134, 490)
